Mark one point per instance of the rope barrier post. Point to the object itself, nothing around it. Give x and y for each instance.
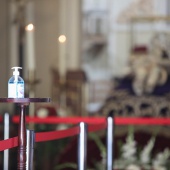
(6, 136)
(110, 127)
(30, 149)
(82, 146)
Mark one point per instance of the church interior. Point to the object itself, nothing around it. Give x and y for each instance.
(92, 58)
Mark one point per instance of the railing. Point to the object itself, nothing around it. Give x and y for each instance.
(32, 137)
(91, 123)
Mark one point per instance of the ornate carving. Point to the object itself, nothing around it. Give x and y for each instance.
(123, 104)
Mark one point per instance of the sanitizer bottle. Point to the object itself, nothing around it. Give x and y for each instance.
(16, 85)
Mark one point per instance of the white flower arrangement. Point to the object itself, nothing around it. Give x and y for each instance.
(145, 155)
(160, 160)
(130, 161)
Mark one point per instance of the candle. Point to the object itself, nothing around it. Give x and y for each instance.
(62, 52)
(30, 51)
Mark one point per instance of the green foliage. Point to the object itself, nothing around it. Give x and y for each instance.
(98, 142)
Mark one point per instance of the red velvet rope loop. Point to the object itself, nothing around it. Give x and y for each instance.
(48, 136)
(8, 143)
(53, 135)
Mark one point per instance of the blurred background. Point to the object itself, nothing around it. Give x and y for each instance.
(91, 57)
(76, 50)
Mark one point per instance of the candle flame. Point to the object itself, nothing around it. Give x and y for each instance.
(62, 38)
(29, 27)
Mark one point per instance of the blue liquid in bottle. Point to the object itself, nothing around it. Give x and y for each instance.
(16, 85)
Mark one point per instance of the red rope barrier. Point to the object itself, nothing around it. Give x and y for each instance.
(95, 120)
(142, 121)
(94, 124)
(59, 120)
(48, 136)
(53, 135)
(8, 143)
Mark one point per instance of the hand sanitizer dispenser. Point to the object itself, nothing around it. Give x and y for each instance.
(16, 85)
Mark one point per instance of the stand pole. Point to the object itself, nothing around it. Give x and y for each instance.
(109, 165)
(6, 136)
(30, 149)
(22, 140)
(82, 147)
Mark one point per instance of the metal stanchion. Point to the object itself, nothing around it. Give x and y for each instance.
(110, 123)
(82, 146)
(6, 136)
(30, 149)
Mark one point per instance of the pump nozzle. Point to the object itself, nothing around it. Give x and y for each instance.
(16, 72)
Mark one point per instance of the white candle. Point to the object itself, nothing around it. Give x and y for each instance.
(62, 55)
(30, 48)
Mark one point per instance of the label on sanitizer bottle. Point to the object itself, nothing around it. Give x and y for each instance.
(15, 90)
